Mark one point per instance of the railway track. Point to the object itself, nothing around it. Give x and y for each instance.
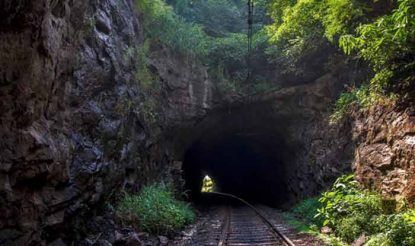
(248, 226)
(241, 225)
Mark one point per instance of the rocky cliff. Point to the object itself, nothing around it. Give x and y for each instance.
(77, 124)
(385, 154)
(74, 126)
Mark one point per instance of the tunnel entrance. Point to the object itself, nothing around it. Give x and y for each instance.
(244, 157)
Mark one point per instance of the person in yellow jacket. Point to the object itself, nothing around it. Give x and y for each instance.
(208, 184)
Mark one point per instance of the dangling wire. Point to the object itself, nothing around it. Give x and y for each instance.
(250, 33)
(250, 23)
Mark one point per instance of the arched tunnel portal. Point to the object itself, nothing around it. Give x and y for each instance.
(246, 151)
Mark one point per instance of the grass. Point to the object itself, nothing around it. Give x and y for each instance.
(155, 210)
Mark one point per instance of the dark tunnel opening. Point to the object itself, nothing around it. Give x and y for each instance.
(246, 164)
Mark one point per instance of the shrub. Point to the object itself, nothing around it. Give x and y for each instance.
(347, 198)
(380, 239)
(349, 228)
(386, 43)
(155, 210)
(307, 211)
(351, 211)
(398, 229)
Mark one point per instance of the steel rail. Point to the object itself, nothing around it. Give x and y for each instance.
(284, 238)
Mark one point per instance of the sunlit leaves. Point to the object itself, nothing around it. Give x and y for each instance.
(387, 43)
(352, 211)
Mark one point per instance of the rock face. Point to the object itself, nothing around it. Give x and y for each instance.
(74, 128)
(37, 50)
(290, 127)
(76, 125)
(385, 155)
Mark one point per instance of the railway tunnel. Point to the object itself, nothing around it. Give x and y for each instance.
(247, 151)
(250, 167)
(262, 149)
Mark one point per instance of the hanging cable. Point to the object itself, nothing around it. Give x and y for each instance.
(250, 33)
(250, 23)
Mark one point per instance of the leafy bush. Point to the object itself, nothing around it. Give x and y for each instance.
(162, 24)
(307, 211)
(380, 239)
(301, 27)
(155, 210)
(350, 228)
(296, 31)
(352, 211)
(397, 228)
(387, 43)
(347, 198)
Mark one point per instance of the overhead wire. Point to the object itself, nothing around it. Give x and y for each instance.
(250, 34)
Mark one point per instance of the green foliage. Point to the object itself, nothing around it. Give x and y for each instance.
(146, 78)
(350, 228)
(155, 210)
(261, 87)
(230, 52)
(208, 184)
(398, 230)
(341, 16)
(307, 210)
(213, 32)
(162, 24)
(221, 17)
(295, 32)
(359, 96)
(380, 239)
(352, 211)
(362, 97)
(409, 216)
(298, 223)
(346, 198)
(300, 27)
(148, 109)
(298, 21)
(387, 43)
(218, 17)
